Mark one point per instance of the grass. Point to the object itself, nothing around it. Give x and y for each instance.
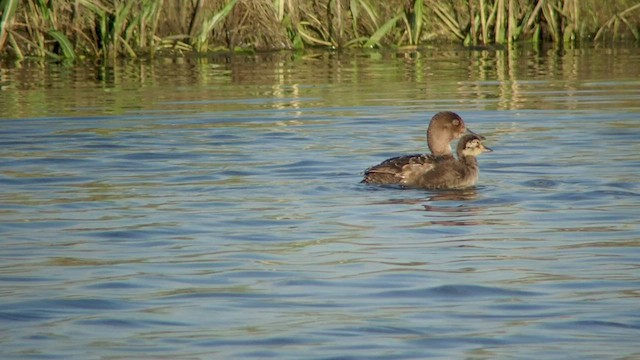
(76, 29)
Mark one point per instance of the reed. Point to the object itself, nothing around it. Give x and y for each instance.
(74, 29)
(616, 19)
(6, 20)
(201, 38)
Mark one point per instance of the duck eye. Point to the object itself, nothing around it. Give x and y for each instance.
(455, 122)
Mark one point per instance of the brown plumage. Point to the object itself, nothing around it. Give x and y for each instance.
(452, 173)
(444, 127)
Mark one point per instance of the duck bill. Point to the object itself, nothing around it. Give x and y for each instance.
(478, 135)
(486, 149)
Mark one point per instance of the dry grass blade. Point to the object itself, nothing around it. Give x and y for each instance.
(633, 30)
(355, 15)
(408, 32)
(492, 16)
(576, 16)
(101, 33)
(8, 12)
(364, 20)
(202, 37)
(512, 28)
(147, 23)
(308, 37)
(483, 23)
(500, 17)
(336, 22)
(613, 20)
(16, 48)
(448, 20)
(118, 26)
(279, 6)
(530, 16)
(356, 42)
(549, 15)
(369, 10)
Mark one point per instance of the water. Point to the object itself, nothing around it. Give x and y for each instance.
(211, 209)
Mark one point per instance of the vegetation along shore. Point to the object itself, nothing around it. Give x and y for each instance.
(72, 29)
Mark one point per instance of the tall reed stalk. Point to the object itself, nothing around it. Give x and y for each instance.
(72, 29)
(6, 20)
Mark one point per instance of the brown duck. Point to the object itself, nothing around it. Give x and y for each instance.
(452, 173)
(444, 127)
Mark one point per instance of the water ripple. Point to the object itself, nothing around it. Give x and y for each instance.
(189, 214)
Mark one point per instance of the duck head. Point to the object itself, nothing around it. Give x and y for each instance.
(471, 145)
(444, 127)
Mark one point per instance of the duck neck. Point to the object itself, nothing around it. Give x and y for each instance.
(468, 160)
(439, 145)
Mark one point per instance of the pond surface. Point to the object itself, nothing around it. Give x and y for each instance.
(211, 208)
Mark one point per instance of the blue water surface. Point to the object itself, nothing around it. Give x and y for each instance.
(214, 210)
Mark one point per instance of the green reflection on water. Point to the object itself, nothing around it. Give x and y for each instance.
(515, 79)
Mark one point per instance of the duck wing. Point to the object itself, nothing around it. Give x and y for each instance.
(400, 168)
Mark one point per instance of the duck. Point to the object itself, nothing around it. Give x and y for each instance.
(444, 127)
(452, 173)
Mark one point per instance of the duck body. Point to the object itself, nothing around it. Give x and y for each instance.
(444, 127)
(402, 168)
(451, 173)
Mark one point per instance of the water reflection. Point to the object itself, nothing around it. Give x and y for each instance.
(495, 79)
(453, 195)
